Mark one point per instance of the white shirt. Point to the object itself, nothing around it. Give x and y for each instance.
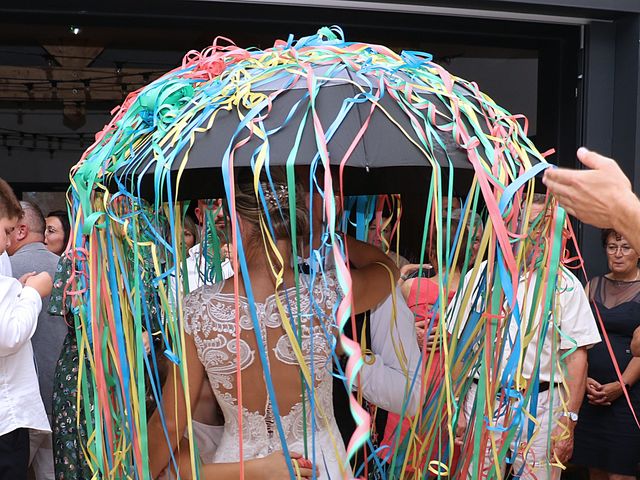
(5, 265)
(20, 401)
(196, 268)
(397, 358)
(571, 325)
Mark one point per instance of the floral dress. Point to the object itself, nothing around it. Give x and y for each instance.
(69, 434)
(70, 438)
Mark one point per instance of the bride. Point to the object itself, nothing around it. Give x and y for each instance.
(265, 347)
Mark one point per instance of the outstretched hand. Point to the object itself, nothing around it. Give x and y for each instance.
(597, 195)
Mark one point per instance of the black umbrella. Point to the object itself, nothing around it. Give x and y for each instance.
(392, 155)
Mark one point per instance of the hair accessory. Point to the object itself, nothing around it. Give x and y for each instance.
(281, 194)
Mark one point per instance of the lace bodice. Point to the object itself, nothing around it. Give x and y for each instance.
(210, 318)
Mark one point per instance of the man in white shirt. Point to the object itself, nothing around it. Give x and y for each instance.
(21, 407)
(5, 265)
(197, 268)
(517, 364)
(388, 372)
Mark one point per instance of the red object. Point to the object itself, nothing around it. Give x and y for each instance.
(421, 300)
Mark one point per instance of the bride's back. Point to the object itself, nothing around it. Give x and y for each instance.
(284, 338)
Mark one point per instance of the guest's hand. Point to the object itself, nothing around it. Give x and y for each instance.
(562, 440)
(23, 278)
(41, 282)
(597, 195)
(410, 268)
(593, 387)
(461, 426)
(432, 339)
(603, 395)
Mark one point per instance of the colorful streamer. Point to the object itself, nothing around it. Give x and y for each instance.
(129, 259)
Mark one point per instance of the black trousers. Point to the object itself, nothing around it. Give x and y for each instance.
(14, 455)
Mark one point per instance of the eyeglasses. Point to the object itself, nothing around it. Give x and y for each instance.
(612, 249)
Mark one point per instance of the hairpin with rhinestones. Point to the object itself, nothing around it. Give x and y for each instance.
(281, 194)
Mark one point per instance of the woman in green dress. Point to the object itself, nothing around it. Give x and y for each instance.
(69, 428)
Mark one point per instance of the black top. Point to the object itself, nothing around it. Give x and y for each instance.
(607, 437)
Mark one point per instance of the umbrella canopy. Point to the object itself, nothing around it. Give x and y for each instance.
(385, 119)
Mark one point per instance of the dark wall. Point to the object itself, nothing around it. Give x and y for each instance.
(611, 106)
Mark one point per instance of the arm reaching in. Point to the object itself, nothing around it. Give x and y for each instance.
(41, 282)
(600, 195)
(19, 309)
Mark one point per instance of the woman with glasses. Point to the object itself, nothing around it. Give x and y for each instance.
(607, 439)
(56, 234)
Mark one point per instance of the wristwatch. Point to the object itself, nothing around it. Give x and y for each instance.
(573, 416)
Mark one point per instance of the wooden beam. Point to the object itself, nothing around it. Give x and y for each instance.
(73, 57)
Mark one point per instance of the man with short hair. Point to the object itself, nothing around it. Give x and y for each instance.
(29, 254)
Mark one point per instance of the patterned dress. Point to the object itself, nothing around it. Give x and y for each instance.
(68, 436)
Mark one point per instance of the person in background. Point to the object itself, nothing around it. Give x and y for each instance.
(57, 232)
(607, 439)
(196, 258)
(207, 419)
(28, 254)
(571, 331)
(474, 223)
(191, 233)
(456, 204)
(21, 407)
(380, 235)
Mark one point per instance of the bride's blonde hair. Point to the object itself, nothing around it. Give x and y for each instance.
(276, 197)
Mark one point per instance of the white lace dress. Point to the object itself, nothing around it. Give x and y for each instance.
(210, 320)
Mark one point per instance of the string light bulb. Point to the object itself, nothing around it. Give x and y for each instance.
(75, 30)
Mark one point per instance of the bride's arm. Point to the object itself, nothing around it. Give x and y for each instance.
(174, 408)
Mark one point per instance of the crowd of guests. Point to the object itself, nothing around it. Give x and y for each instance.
(588, 420)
